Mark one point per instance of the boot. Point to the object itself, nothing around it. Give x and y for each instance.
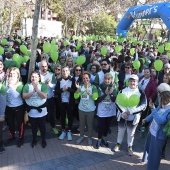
(2, 149)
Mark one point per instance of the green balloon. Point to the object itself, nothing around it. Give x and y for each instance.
(25, 58)
(134, 100)
(29, 53)
(10, 49)
(143, 60)
(95, 96)
(54, 48)
(132, 51)
(23, 49)
(54, 56)
(136, 64)
(81, 60)
(122, 99)
(16, 57)
(53, 42)
(118, 48)
(1, 50)
(158, 65)
(168, 54)
(68, 36)
(104, 50)
(22, 37)
(79, 44)
(4, 41)
(46, 47)
(167, 46)
(77, 48)
(18, 40)
(66, 43)
(161, 49)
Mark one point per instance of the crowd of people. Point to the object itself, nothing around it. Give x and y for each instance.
(65, 90)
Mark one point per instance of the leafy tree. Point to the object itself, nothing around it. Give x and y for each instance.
(104, 24)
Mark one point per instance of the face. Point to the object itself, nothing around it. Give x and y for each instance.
(107, 80)
(77, 71)
(70, 63)
(128, 69)
(93, 69)
(1, 66)
(147, 73)
(65, 72)
(104, 65)
(57, 70)
(153, 72)
(86, 79)
(133, 83)
(166, 69)
(35, 78)
(44, 67)
(164, 59)
(13, 75)
(62, 60)
(165, 79)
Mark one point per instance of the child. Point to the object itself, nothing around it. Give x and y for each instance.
(106, 108)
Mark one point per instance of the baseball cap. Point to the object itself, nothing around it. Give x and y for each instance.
(134, 76)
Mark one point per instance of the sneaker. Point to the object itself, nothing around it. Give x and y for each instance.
(63, 135)
(2, 149)
(130, 151)
(89, 141)
(79, 140)
(105, 143)
(20, 142)
(98, 144)
(33, 143)
(116, 148)
(44, 144)
(69, 136)
(38, 133)
(55, 131)
(9, 141)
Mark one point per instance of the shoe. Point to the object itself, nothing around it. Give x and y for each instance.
(2, 149)
(38, 133)
(63, 135)
(105, 143)
(79, 140)
(20, 142)
(116, 148)
(34, 142)
(98, 144)
(69, 136)
(55, 131)
(44, 144)
(130, 151)
(89, 141)
(9, 141)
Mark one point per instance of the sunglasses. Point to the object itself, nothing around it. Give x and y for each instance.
(127, 67)
(58, 69)
(78, 70)
(103, 64)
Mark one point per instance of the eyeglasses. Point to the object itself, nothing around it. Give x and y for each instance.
(58, 69)
(104, 64)
(78, 70)
(127, 67)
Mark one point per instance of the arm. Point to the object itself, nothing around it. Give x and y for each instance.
(73, 87)
(25, 93)
(16, 92)
(57, 88)
(96, 80)
(153, 90)
(161, 119)
(52, 83)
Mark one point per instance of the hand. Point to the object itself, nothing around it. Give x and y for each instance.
(77, 85)
(151, 105)
(111, 90)
(107, 91)
(143, 121)
(126, 115)
(2, 118)
(47, 81)
(35, 87)
(65, 88)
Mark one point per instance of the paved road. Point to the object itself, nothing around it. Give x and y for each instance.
(64, 155)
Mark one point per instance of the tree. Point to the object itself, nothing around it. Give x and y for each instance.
(104, 24)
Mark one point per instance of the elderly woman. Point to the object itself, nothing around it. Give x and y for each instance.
(156, 137)
(35, 95)
(87, 93)
(129, 117)
(14, 108)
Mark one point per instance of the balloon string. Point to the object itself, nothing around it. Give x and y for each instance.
(158, 75)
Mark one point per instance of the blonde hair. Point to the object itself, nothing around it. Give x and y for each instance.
(108, 75)
(165, 97)
(17, 71)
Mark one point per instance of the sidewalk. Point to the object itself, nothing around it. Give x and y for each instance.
(64, 155)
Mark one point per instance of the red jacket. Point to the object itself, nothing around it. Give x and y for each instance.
(151, 89)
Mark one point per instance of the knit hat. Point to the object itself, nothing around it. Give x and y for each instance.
(163, 87)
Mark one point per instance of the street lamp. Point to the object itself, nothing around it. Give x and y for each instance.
(25, 17)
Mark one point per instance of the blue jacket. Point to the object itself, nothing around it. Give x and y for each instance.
(160, 120)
